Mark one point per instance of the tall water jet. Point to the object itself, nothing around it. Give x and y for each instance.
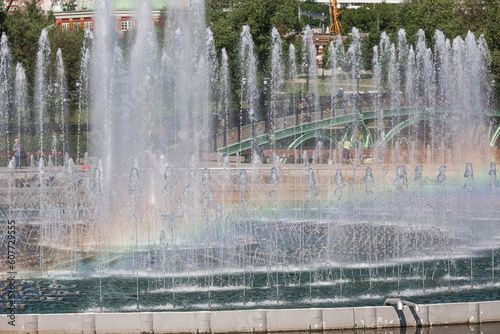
(336, 59)
(225, 95)
(388, 82)
(187, 101)
(84, 93)
(411, 91)
(353, 65)
(104, 99)
(212, 76)
(403, 59)
(21, 100)
(310, 70)
(444, 67)
(249, 85)
(385, 69)
(141, 116)
(292, 75)
(42, 82)
(61, 98)
(5, 87)
(277, 81)
(410, 95)
(468, 97)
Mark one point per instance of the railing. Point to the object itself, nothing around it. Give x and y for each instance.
(317, 122)
(5, 157)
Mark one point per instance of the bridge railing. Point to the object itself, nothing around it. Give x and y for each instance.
(291, 108)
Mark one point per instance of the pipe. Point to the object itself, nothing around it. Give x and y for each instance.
(411, 304)
(395, 301)
(400, 304)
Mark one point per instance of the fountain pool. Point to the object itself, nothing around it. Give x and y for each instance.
(158, 224)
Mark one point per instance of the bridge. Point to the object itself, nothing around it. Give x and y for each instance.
(345, 124)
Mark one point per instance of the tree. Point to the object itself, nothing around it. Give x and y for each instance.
(491, 30)
(70, 42)
(429, 15)
(23, 30)
(367, 45)
(226, 18)
(361, 18)
(455, 18)
(367, 18)
(2, 16)
(320, 8)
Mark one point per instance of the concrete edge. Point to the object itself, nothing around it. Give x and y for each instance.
(255, 320)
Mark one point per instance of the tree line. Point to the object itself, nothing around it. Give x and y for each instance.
(454, 18)
(226, 17)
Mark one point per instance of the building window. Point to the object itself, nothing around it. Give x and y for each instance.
(65, 25)
(87, 25)
(127, 25)
(77, 25)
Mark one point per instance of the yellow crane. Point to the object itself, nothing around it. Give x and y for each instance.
(334, 18)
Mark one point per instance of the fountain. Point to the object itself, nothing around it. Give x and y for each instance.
(157, 224)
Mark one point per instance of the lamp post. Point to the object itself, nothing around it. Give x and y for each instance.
(66, 95)
(358, 96)
(251, 114)
(306, 108)
(268, 115)
(225, 126)
(214, 114)
(243, 84)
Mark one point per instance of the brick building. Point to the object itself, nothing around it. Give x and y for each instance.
(82, 16)
(15, 5)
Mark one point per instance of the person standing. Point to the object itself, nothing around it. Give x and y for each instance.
(346, 147)
(358, 149)
(17, 153)
(251, 114)
(305, 110)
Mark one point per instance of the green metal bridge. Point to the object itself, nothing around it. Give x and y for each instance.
(348, 123)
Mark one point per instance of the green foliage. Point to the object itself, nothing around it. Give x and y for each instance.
(490, 26)
(23, 30)
(367, 18)
(454, 18)
(226, 18)
(371, 19)
(70, 42)
(325, 55)
(471, 12)
(495, 71)
(367, 45)
(429, 15)
(320, 8)
(3, 15)
(361, 18)
(491, 29)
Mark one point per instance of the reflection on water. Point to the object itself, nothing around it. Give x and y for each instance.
(483, 328)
